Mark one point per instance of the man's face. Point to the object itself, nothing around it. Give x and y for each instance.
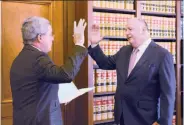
(46, 40)
(134, 32)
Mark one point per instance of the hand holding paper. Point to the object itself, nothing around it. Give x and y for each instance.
(68, 91)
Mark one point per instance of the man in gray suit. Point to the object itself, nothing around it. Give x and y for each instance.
(34, 78)
(146, 85)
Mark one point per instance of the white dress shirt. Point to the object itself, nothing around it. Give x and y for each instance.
(142, 49)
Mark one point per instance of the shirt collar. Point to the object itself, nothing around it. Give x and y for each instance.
(36, 48)
(144, 45)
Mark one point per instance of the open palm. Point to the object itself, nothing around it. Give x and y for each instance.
(95, 36)
(79, 31)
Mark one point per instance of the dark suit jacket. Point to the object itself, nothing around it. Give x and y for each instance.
(34, 82)
(148, 93)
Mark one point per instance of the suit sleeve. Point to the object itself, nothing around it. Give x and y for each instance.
(168, 89)
(103, 61)
(47, 71)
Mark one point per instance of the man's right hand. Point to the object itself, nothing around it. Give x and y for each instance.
(79, 32)
(95, 36)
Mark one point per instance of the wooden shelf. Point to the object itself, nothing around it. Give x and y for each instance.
(103, 121)
(114, 38)
(163, 39)
(158, 14)
(103, 94)
(123, 38)
(113, 10)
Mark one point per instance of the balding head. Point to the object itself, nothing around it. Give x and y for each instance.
(139, 22)
(136, 31)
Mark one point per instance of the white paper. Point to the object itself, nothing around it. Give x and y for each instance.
(68, 91)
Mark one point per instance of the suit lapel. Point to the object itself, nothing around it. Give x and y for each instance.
(124, 62)
(146, 55)
(128, 54)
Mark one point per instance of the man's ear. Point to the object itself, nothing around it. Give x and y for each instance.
(144, 30)
(39, 38)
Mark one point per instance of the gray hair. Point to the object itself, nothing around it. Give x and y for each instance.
(144, 23)
(32, 27)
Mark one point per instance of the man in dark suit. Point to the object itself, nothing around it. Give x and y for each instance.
(146, 86)
(34, 78)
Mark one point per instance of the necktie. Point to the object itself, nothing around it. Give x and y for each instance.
(132, 60)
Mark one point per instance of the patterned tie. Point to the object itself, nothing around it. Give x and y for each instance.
(132, 60)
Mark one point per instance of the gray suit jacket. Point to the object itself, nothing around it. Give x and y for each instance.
(34, 80)
(148, 93)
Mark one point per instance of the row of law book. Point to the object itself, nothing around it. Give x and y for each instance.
(114, 24)
(162, 27)
(150, 6)
(115, 4)
(112, 47)
(103, 108)
(159, 6)
(111, 24)
(104, 80)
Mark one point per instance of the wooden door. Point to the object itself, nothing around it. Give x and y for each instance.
(13, 14)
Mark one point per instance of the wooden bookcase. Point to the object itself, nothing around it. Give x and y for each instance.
(82, 107)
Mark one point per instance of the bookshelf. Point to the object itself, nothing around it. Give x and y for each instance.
(138, 9)
(113, 40)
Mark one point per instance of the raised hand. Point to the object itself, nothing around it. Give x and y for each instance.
(95, 36)
(79, 32)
